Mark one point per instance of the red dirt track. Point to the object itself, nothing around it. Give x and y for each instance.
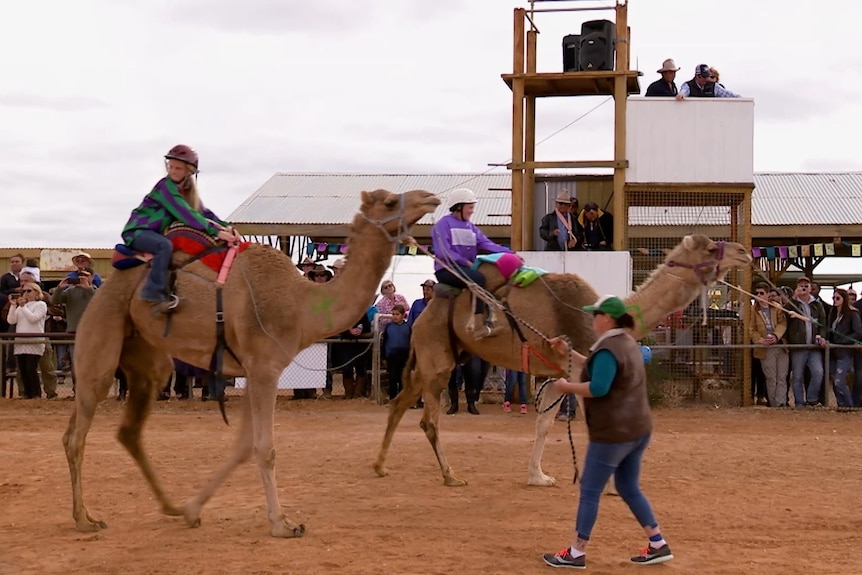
(736, 491)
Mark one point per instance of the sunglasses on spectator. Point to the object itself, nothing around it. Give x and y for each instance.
(28, 291)
(837, 297)
(759, 292)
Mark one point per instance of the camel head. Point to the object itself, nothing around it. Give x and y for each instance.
(395, 214)
(709, 261)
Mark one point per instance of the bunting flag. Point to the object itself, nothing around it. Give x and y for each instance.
(804, 250)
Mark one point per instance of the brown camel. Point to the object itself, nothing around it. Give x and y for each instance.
(271, 313)
(552, 305)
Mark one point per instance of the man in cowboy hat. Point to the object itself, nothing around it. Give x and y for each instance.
(559, 229)
(83, 261)
(305, 265)
(664, 86)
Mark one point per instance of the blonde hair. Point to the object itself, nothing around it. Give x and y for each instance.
(37, 287)
(714, 73)
(189, 187)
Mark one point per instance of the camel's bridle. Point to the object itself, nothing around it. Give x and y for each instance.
(701, 269)
(403, 227)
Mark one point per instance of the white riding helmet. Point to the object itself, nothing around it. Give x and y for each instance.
(461, 196)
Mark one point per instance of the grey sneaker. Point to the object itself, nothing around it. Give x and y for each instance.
(650, 556)
(564, 559)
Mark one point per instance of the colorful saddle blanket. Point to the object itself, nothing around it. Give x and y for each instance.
(511, 267)
(185, 239)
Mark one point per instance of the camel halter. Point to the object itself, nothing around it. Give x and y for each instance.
(403, 228)
(701, 269)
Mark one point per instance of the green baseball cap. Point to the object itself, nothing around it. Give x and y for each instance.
(610, 305)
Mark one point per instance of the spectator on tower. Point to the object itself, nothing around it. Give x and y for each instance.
(598, 226)
(665, 86)
(704, 86)
(559, 229)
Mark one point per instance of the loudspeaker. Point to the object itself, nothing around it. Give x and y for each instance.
(596, 50)
(571, 43)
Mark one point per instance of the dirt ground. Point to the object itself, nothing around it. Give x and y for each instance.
(736, 491)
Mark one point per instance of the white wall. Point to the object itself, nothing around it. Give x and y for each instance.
(607, 272)
(709, 140)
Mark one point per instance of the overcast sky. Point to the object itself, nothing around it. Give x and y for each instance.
(94, 92)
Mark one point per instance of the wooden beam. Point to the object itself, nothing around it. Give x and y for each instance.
(517, 240)
(529, 205)
(526, 165)
(620, 205)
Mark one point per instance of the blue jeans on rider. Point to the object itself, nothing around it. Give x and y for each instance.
(156, 288)
(444, 276)
(623, 461)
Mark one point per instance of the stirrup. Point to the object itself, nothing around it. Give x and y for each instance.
(167, 306)
(487, 331)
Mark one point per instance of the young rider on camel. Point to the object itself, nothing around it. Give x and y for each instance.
(174, 198)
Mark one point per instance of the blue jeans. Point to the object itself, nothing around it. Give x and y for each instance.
(155, 243)
(838, 370)
(623, 461)
(511, 378)
(799, 359)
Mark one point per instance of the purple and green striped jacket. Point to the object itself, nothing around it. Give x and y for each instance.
(164, 206)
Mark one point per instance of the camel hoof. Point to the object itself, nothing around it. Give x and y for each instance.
(172, 511)
(380, 470)
(90, 525)
(454, 482)
(289, 531)
(542, 481)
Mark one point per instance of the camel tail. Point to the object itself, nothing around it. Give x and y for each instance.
(219, 391)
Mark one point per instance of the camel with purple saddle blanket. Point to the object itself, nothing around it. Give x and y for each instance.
(271, 313)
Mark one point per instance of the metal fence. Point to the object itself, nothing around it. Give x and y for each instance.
(678, 373)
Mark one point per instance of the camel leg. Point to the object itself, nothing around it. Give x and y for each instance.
(544, 422)
(146, 370)
(92, 386)
(261, 394)
(430, 425)
(416, 383)
(410, 392)
(241, 452)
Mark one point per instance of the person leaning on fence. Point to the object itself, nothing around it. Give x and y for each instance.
(845, 328)
(613, 383)
(807, 330)
(768, 325)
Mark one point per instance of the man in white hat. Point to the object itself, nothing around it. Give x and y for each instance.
(559, 229)
(84, 262)
(665, 86)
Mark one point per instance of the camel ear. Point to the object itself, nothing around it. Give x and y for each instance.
(687, 242)
(391, 200)
(366, 197)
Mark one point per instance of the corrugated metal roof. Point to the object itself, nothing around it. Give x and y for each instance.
(320, 198)
(779, 199)
(788, 198)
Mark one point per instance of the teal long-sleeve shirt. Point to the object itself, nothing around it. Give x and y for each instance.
(602, 369)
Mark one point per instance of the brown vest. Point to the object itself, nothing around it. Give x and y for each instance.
(623, 414)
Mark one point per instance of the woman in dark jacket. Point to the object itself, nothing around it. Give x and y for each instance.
(844, 328)
(619, 423)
